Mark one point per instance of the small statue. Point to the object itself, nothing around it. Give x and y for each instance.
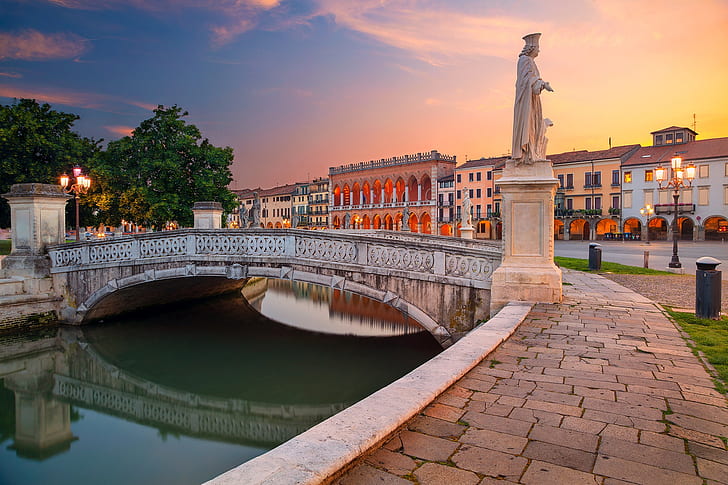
(256, 210)
(347, 220)
(243, 217)
(405, 219)
(294, 221)
(467, 208)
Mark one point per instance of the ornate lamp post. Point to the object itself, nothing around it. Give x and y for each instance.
(81, 186)
(647, 211)
(680, 178)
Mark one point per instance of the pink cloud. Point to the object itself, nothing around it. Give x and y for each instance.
(13, 75)
(36, 46)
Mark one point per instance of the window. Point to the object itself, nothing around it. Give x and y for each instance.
(686, 196)
(489, 207)
(561, 180)
(459, 180)
(664, 196)
(478, 193)
(725, 195)
(597, 179)
(679, 136)
(649, 198)
(477, 211)
(489, 174)
(459, 211)
(440, 199)
(497, 207)
(615, 177)
(703, 171)
(587, 179)
(615, 202)
(588, 203)
(477, 177)
(458, 195)
(597, 202)
(489, 192)
(470, 193)
(627, 198)
(668, 139)
(726, 169)
(648, 175)
(627, 177)
(570, 204)
(450, 198)
(470, 177)
(569, 180)
(703, 195)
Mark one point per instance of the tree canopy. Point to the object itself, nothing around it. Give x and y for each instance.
(37, 145)
(158, 173)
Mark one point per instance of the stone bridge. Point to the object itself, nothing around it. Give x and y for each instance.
(443, 283)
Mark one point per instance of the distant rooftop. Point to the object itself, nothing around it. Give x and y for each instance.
(433, 155)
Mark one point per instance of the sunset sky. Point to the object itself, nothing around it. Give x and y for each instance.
(298, 86)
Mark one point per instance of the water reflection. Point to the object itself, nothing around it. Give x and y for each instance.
(328, 310)
(184, 393)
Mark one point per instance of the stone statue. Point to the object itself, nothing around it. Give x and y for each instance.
(256, 210)
(529, 128)
(244, 222)
(405, 219)
(347, 219)
(467, 205)
(294, 221)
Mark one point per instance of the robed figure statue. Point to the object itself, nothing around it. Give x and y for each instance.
(529, 127)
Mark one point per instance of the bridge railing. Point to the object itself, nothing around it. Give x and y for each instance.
(413, 253)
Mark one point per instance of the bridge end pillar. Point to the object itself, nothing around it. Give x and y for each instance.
(208, 215)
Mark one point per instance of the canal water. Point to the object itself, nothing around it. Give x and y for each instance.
(182, 393)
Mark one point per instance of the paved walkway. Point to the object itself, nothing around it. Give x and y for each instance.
(593, 390)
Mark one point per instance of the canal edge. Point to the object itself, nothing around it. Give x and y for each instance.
(326, 450)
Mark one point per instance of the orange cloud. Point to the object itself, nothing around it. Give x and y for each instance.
(120, 130)
(96, 101)
(35, 46)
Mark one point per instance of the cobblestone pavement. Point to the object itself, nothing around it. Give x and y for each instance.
(673, 290)
(598, 389)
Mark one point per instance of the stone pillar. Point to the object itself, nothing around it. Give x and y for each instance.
(208, 215)
(371, 196)
(528, 272)
(567, 229)
(382, 199)
(419, 191)
(406, 193)
(37, 219)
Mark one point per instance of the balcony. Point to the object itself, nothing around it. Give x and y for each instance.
(670, 208)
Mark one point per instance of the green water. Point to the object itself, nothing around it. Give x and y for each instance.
(183, 393)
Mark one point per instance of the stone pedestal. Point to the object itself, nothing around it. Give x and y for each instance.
(528, 272)
(467, 232)
(38, 218)
(208, 215)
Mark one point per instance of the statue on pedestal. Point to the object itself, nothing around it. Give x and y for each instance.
(347, 221)
(256, 210)
(467, 206)
(405, 219)
(529, 127)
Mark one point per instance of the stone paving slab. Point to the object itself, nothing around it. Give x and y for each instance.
(599, 389)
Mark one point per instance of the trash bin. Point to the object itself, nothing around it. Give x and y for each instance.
(595, 257)
(707, 288)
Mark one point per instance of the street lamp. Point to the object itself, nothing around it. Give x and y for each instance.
(81, 186)
(647, 211)
(680, 178)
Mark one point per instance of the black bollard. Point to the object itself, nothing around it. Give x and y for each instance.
(707, 288)
(595, 257)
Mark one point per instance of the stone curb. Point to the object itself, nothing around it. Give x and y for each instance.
(321, 452)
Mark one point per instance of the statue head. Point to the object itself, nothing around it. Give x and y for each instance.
(531, 48)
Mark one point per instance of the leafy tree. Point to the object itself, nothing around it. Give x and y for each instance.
(158, 173)
(37, 145)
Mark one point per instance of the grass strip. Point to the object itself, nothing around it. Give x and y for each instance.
(710, 337)
(5, 246)
(607, 267)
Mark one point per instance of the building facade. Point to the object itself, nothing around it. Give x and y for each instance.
(478, 178)
(318, 203)
(446, 220)
(379, 194)
(702, 207)
(276, 205)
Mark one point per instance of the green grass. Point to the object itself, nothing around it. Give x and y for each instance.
(711, 338)
(5, 246)
(607, 267)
